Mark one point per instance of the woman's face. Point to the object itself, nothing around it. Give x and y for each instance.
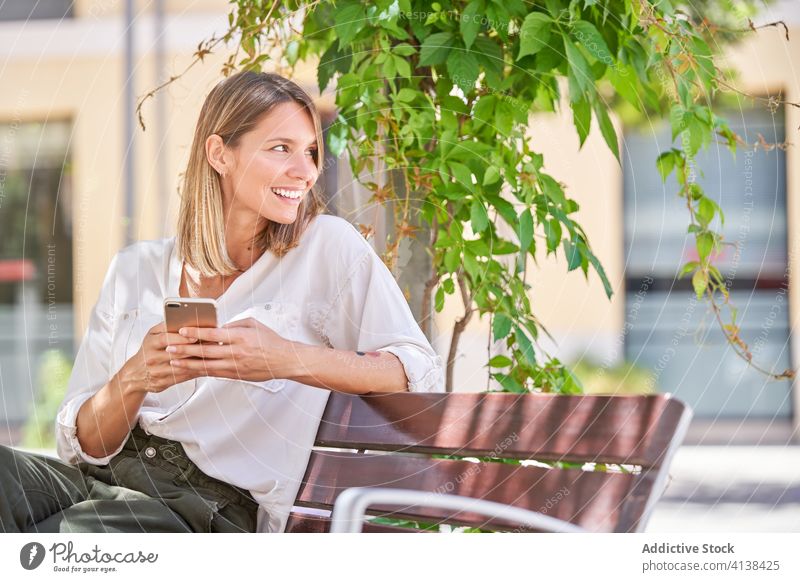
(272, 169)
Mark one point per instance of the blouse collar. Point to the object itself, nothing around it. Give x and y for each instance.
(241, 290)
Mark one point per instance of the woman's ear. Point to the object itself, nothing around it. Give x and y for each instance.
(215, 153)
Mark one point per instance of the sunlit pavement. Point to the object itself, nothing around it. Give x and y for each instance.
(731, 489)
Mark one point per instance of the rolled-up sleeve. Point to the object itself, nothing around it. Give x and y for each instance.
(371, 313)
(89, 373)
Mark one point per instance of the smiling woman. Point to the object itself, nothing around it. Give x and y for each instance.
(256, 133)
(163, 432)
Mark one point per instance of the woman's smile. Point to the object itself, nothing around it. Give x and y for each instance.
(289, 195)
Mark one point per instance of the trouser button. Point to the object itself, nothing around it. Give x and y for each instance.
(150, 452)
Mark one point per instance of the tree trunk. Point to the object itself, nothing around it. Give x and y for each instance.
(414, 265)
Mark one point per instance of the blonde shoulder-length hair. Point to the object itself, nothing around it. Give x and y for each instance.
(232, 108)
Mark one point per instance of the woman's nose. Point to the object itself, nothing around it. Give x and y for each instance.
(302, 167)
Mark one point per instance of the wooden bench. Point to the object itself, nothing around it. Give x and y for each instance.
(375, 454)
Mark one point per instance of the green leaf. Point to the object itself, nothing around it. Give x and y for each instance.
(525, 345)
(705, 68)
(582, 117)
(715, 274)
(338, 135)
(478, 216)
(404, 50)
(525, 230)
(462, 174)
(452, 259)
(471, 22)
(504, 208)
(403, 67)
(688, 268)
(623, 79)
(479, 248)
(406, 95)
(600, 272)
(581, 78)
(699, 282)
(665, 164)
(490, 55)
(504, 118)
(435, 49)
(463, 68)
(594, 43)
(571, 384)
(698, 133)
(534, 34)
(552, 230)
(500, 362)
(329, 63)
(501, 325)
(705, 242)
(483, 111)
(349, 20)
(705, 211)
(677, 120)
(607, 128)
(472, 266)
(573, 255)
(439, 300)
(552, 189)
(491, 175)
(504, 247)
(389, 69)
(509, 384)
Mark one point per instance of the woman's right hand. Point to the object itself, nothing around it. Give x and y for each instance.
(149, 369)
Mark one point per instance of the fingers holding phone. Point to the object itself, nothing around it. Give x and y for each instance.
(149, 369)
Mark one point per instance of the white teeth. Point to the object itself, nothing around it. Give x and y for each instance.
(294, 194)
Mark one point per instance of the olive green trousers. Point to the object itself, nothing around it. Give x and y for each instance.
(150, 486)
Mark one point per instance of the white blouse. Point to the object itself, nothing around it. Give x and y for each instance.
(332, 290)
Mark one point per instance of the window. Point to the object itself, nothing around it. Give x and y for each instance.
(37, 10)
(36, 317)
(668, 331)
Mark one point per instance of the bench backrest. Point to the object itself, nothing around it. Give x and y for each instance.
(391, 439)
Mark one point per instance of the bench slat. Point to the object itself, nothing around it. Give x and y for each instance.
(598, 501)
(613, 429)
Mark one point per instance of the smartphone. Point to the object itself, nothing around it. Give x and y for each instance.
(189, 312)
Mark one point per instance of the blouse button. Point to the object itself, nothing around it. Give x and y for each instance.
(150, 452)
(268, 307)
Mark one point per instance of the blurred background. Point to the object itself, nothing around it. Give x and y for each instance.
(79, 179)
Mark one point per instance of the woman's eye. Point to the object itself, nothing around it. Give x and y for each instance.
(311, 151)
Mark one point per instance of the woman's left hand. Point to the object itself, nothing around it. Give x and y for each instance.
(249, 350)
